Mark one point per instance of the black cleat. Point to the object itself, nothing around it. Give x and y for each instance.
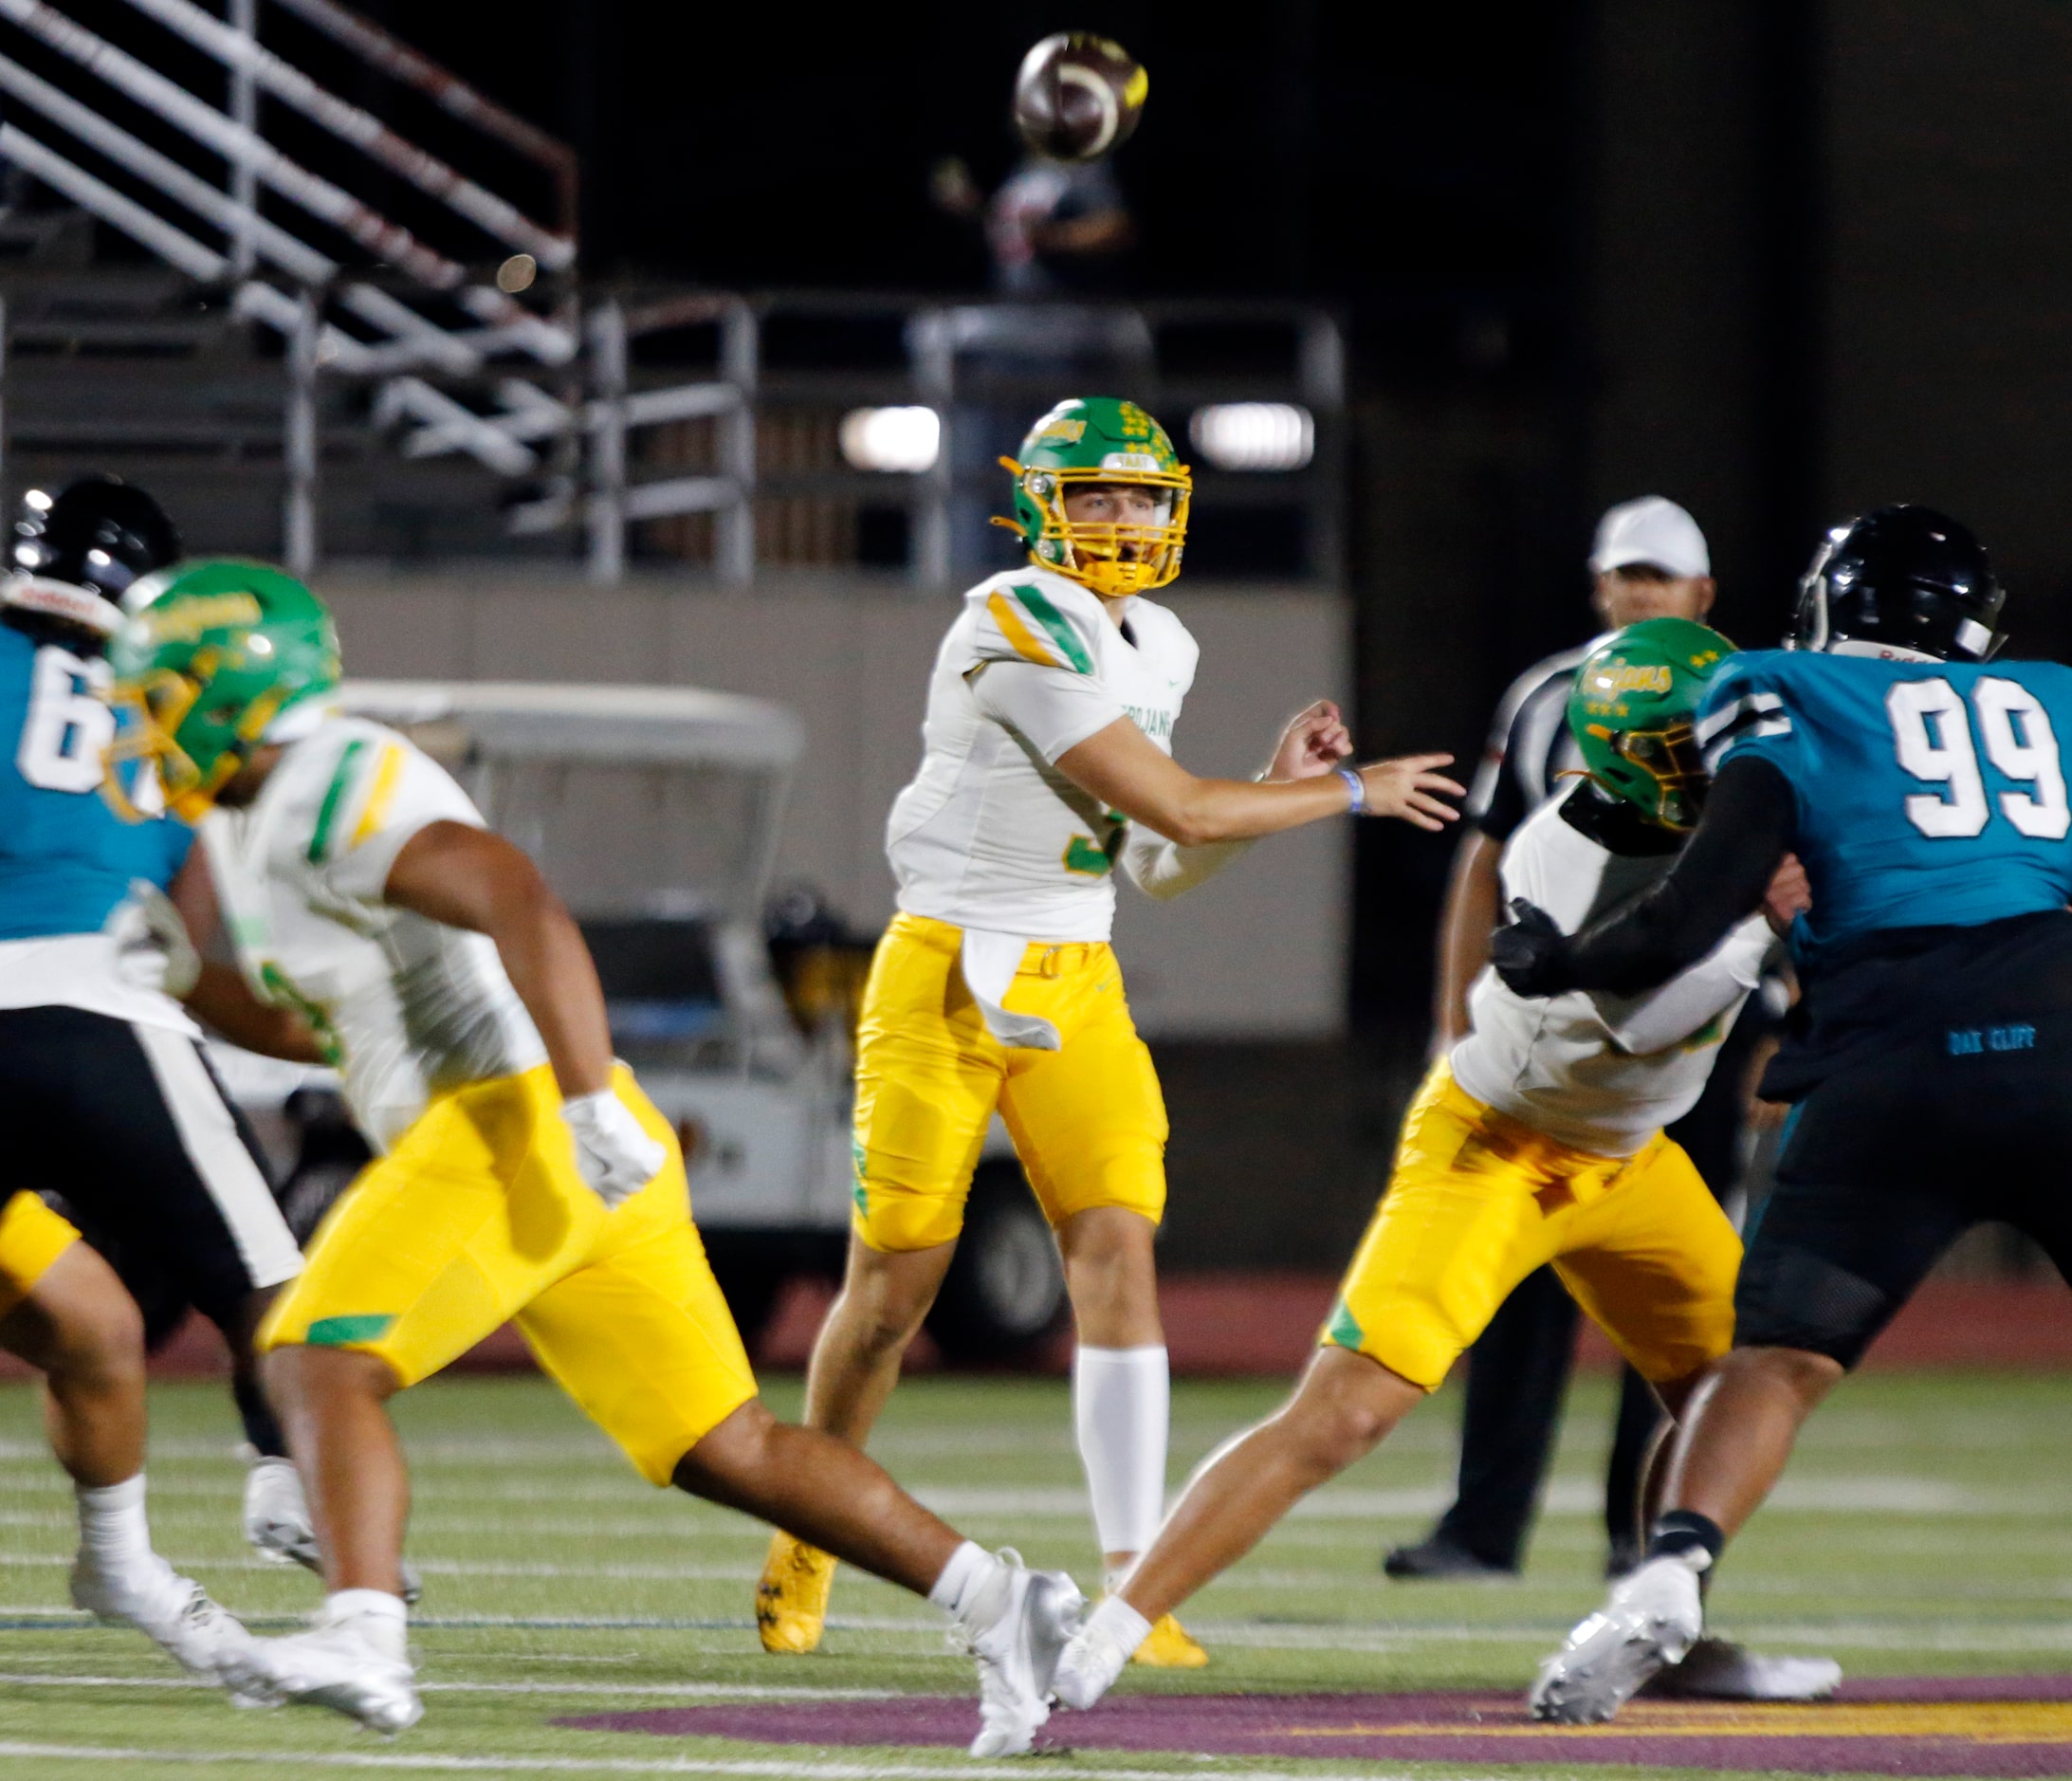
(1438, 1558)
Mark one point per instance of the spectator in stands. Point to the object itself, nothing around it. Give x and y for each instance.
(1058, 233)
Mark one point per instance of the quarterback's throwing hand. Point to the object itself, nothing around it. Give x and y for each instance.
(613, 1153)
(1530, 953)
(1314, 741)
(1411, 787)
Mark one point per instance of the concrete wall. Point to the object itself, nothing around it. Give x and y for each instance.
(1259, 953)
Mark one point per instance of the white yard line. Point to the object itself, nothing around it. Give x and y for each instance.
(658, 1691)
(452, 1568)
(783, 1768)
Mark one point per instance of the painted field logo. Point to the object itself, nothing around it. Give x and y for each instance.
(1973, 1725)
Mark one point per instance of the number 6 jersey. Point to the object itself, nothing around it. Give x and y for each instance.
(1928, 794)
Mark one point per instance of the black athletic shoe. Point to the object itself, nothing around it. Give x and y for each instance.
(1439, 1557)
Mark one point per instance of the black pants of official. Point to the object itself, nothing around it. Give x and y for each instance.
(1518, 1371)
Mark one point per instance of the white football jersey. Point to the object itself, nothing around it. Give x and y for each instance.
(409, 1005)
(990, 835)
(1597, 1071)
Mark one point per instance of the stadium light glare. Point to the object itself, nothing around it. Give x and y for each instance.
(1253, 436)
(898, 439)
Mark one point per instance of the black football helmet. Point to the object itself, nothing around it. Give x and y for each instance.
(75, 553)
(1901, 581)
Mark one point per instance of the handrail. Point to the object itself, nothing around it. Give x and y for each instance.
(447, 90)
(430, 175)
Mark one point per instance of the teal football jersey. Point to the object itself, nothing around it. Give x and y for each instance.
(1928, 794)
(65, 858)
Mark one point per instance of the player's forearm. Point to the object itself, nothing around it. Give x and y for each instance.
(551, 969)
(221, 1000)
(1718, 879)
(1473, 894)
(1164, 871)
(1193, 812)
(469, 878)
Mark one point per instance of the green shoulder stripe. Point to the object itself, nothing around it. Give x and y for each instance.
(334, 796)
(1057, 625)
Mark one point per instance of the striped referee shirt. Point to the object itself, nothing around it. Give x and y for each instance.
(1530, 746)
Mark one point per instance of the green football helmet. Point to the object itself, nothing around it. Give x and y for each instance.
(1099, 439)
(1633, 710)
(211, 657)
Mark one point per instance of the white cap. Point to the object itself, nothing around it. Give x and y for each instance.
(1652, 530)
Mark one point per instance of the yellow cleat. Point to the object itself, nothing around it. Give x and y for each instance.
(1169, 1646)
(791, 1596)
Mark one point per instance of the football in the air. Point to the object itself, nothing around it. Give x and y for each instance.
(1078, 97)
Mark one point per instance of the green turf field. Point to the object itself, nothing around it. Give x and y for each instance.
(1925, 1525)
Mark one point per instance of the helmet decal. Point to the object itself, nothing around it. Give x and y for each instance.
(1633, 711)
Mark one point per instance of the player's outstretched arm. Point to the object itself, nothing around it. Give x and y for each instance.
(1123, 768)
(1723, 875)
(473, 878)
(1311, 743)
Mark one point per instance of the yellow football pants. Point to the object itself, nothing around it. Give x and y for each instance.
(31, 1239)
(478, 1216)
(1478, 1201)
(1087, 1120)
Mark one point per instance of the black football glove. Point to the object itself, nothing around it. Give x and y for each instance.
(1531, 954)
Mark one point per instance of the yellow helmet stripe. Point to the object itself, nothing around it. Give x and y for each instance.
(1017, 632)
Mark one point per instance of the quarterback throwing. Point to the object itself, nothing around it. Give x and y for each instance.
(1047, 763)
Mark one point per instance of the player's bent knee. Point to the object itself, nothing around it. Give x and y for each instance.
(733, 1458)
(80, 1320)
(1345, 1405)
(299, 1373)
(1806, 1373)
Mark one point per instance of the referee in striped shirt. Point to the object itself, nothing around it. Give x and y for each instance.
(1649, 560)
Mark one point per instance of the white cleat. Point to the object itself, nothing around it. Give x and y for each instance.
(1016, 1630)
(1652, 1619)
(1717, 1669)
(278, 1528)
(1094, 1657)
(343, 1664)
(174, 1612)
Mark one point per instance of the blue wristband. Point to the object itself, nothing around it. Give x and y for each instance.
(1358, 785)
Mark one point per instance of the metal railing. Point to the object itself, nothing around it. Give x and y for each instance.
(583, 432)
(445, 316)
(744, 393)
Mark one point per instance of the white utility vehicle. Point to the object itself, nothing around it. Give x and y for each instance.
(656, 812)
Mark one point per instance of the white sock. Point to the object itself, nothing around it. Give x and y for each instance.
(1116, 1620)
(113, 1532)
(969, 1568)
(382, 1617)
(1122, 1407)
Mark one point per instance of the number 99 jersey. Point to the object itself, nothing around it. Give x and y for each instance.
(1928, 794)
(65, 858)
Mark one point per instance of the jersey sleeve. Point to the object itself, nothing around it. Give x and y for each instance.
(1033, 667)
(1022, 623)
(382, 792)
(1049, 709)
(1746, 711)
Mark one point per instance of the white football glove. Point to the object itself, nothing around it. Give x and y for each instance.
(152, 948)
(613, 1153)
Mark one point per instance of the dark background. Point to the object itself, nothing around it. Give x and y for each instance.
(1778, 259)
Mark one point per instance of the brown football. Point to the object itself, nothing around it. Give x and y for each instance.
(1078, 97)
